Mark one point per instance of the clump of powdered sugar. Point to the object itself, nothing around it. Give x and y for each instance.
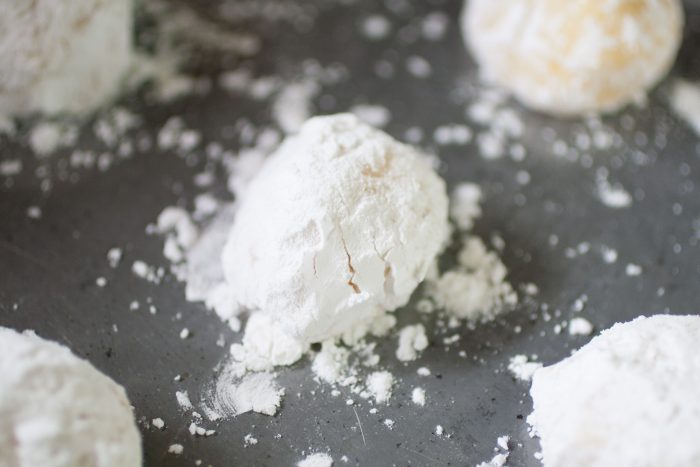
(522, 368)
(265, 345)
(476, 289)
(380, 384)
(580, 327)
(412, 340)
(418, 396)
(48, 136)
(331, 363)
(464, 205)
(179, 231)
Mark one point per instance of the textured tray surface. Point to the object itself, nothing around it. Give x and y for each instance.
(49, 266)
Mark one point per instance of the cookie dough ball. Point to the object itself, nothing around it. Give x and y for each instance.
(629, 398)
(574, 57)
(57, 410)
(62, 56)
(340, 225)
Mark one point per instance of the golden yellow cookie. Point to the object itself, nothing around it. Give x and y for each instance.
(572, 57)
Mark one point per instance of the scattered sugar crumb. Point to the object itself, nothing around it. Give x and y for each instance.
(10, 167)
(412, 339)
(185, 333)
(292, 106)
(613, 196)
(45, 138)
(580, 327)
(34, 212)
(503, 441)
(196, 430)
(144, 271)
(183, 399)
(114, 257)
(633, 269)
(176, 449)
(502, 125)
(464, 205)
(530, 289)
(609, 254)
(454, 134)
(579, 304)
(158, 423)
(423, 371)
(500, 459)
(331, 362)
(435, 25)
(318, 459)
(521, 368)
(249, 440)
(419, 67)
(380, 384)
(376, 27)
(389, 423)
(453, 339)
(418, 396)
(376, 115)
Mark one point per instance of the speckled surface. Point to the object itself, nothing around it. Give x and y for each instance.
(48, 266)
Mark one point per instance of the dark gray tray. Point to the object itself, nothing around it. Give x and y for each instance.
(48, 266)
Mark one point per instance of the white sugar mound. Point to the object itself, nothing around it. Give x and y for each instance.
(628, 398)
(578, 56)
(340, 225)
(60, 57)
(57, 410)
